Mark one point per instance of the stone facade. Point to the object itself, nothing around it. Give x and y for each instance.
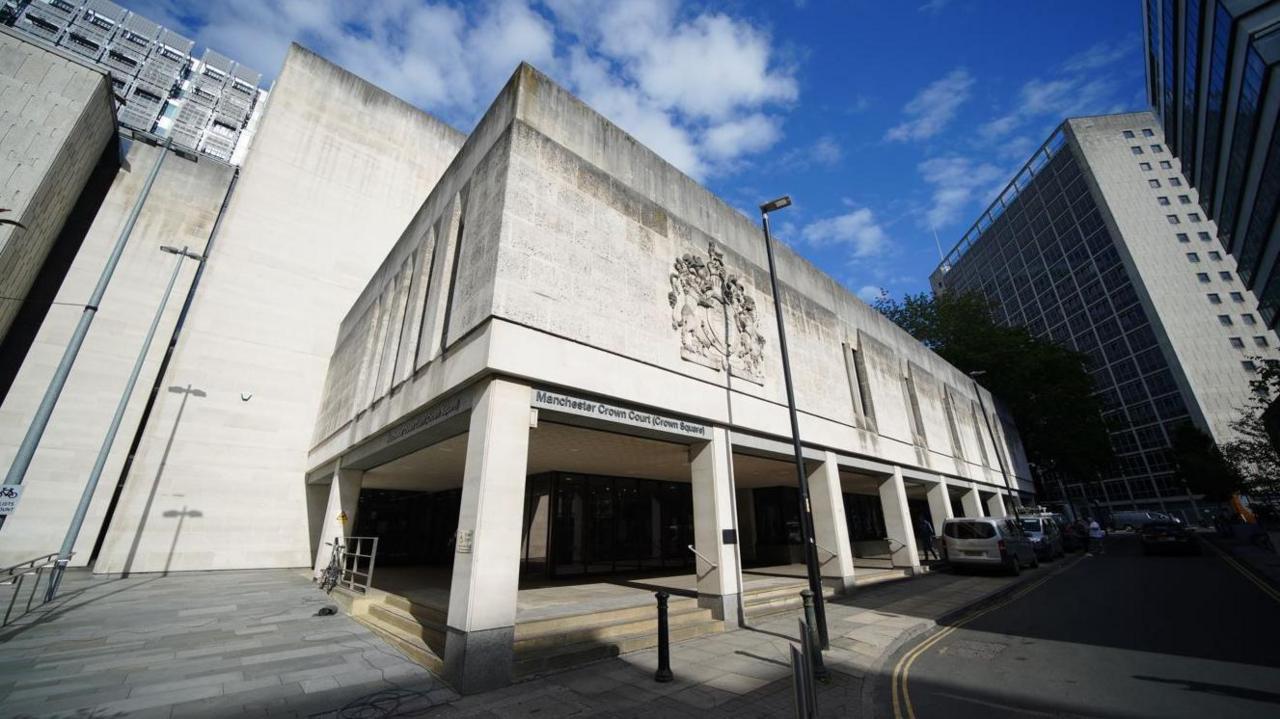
(56, 118)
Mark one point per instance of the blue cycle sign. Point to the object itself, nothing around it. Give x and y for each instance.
(9, 494)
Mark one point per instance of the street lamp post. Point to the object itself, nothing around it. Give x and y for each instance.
(68, 542)
(806, 511)
(35, 430)
(1004, 473)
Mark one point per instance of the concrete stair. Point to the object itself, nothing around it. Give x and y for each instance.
(549, 644)
(778, 599)
(416, 631)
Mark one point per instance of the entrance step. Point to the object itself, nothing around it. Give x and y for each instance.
(867, 578)
(778, 599)
(549, 644)
(416, 631)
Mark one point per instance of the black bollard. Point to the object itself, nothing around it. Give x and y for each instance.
(664, 643)
(819, 669)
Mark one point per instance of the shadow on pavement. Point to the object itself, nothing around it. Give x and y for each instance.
(1225, 690)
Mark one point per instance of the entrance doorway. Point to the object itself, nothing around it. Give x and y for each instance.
(584, 524)
(413, 528)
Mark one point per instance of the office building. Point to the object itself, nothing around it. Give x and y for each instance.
(1099, 244)
(1212, 81)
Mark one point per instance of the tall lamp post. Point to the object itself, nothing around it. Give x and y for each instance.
(806, 512)
(68, 542)
(973, 377)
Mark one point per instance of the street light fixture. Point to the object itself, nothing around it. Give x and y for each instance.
(973, 377)
(806, 512)
(68, 542)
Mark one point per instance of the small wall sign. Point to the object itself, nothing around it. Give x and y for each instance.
(9, 496)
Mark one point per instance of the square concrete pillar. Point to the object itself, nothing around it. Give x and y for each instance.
(339, 518)
(995, 505)
(897, 522)
(486, 564)
(835, 555)
(712, 516)
(939, 496)
(971, 502)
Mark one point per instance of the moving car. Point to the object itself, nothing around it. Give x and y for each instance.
(992, 542)
(1169, 536)
(1045, 534)
(1137, 520)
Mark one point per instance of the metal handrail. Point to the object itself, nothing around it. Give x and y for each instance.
(350, 551)
(17, 576)
(699, 555)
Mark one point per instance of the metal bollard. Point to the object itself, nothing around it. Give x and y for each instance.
(664, 642)
(819, 669)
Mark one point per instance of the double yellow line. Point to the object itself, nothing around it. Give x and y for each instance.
(1267, 589)
(902, 708)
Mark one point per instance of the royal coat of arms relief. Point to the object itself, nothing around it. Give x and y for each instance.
(715, 316)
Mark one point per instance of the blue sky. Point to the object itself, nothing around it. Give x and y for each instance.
(885, 120)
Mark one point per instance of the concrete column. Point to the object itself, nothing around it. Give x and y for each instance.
(486, 565)
(897, 521)
(971, 502)
(939, 504)
(829, 526)
(712, 515)
(995, 505)
(339, 513)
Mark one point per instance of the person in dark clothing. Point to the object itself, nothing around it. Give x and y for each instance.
(924, 537)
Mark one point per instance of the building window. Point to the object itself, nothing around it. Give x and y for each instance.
(1153, 183)
(1184, 199)
(1136, 149)
(1248, 320)
(1204, 236)
(1225, 320)
(1128, 134)
(1173, 219)
(1249, 366)
(1157, 149)
(1144, 165)
(861, 387)
(1215, 256)
(1164, 201)
(1260, 341)
(1237, 297)
(1148, 133)
(1236, 342)
(1182, 237)
(1214, 299)
(1175, 182)
(1166, 165)
(1193, 217)
(1203, 277)
(1193, 257)
(1224, 276)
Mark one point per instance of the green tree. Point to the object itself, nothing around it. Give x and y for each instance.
(1202, 466)
(1045, 386)
(1252, 452)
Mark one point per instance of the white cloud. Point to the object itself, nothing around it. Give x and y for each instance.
(869, 293)
(858, 230)
(933, 107)
(701, 87)
(825, 151)
(1100, 55)
(956, 181)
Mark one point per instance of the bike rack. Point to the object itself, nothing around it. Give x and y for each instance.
(17, 576)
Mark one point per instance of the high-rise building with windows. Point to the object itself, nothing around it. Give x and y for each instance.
(208, 104)
(1100, 244)
(1212, 82)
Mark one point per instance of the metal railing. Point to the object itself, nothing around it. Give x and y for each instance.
(351, 565)
(702, 556)
(17, 576)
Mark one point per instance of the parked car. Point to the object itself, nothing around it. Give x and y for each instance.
(1075, 536)
(991, 542)
(1045, 534)
(1170, 536)
(1132, 520)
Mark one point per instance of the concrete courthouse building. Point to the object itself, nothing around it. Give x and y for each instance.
(562, 364)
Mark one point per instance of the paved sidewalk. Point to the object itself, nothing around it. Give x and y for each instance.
(249, 644)
(240, 643)
(746, 673)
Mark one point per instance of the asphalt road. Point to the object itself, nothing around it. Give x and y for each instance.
(1115, 635)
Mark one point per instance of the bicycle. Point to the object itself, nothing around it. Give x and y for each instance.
(333, 572)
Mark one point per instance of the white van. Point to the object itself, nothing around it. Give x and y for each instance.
(996, 542)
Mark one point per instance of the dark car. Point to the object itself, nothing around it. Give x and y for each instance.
(1167, 537)
(1075, 537)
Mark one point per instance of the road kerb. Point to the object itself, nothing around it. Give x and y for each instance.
(873, 679)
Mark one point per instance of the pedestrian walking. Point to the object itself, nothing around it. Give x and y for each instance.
(925, 532)
(1096, 534)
